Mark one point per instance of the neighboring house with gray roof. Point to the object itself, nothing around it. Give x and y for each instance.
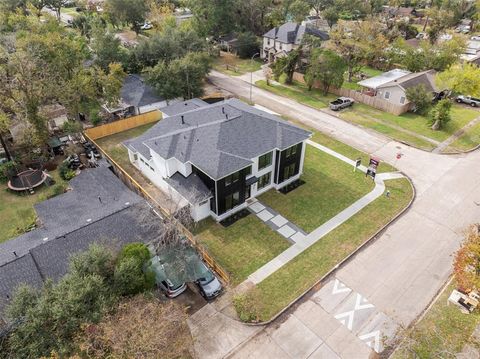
(98, 208)
(213, 158)
(136, 97)
(391, 86)
(279, 41)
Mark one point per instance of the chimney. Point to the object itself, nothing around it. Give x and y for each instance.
(183, 120)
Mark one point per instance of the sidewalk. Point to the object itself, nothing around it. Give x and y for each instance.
(303, 242)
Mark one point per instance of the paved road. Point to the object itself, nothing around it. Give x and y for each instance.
(392, 281)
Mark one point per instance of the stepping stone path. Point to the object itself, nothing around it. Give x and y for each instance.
(276, 221)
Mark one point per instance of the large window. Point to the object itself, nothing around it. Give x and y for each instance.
(289, 171)
(248, 171)
(291, 151)
(264, 180)
(234, 177)
(264, 160)
(232, 200)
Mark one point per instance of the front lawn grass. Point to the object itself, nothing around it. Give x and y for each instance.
(444, 329)
(232, 65)
(369, 71)
(330, 187)
(461, 116)
(299, 93)
(289, 282)
(241, 248)
(17, 214)
(467, 141)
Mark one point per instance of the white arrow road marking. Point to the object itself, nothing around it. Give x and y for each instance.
(339, 287)
(346, 318)
(372, 338)
(362, 303)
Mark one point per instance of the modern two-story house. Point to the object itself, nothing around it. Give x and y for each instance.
(279, 41)
(215, 157)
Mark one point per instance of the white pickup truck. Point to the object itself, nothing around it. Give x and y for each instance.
(341, 102)
(469, 100)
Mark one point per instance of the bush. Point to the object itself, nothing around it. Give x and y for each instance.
(247, 45)
(248, 305)
(421, 99)
(72, 126)
(130, 277)
(5, 169)
(66, 173)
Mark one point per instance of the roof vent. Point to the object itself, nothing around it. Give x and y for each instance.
(89, 220)
(183, 120)
(156, 144)
(45, 239)
(127, 203)
(226, 116)
(223, 109)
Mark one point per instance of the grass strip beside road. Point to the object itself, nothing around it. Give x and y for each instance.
(277, 291)
(443, 331)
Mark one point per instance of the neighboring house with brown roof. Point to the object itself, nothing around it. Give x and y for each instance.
(391, 86)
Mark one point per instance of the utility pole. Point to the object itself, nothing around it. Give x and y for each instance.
(251, 75)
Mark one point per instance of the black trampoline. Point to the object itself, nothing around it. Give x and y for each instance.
(27, 180)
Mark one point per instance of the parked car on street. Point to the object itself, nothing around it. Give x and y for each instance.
(165, 278)
(341, 102)
(469, 100)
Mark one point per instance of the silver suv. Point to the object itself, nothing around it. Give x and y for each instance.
(469, 100)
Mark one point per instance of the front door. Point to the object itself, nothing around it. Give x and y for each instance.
(247, 192)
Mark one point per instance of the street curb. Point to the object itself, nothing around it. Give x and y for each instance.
(343, 261)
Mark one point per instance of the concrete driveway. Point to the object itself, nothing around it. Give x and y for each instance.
(389, 283)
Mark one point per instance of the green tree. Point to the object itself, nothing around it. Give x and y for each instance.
(181, 77)
(439, 20)
(131, 12)
(213, 17)
(320, 5)
(106, 48)
(252, 15)
(247, 45)
(328, 68)
(421, 98)
(4, 127)
(461, 78)
(287, 65)
(130, 279)
(56, 5)
(331, 16)
(440, 114)
(298, 10)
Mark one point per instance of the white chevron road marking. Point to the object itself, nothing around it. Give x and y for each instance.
(372, 340)
(339, 287)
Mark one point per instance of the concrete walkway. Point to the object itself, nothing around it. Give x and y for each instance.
(443, 145)
(276, 221)
(303, 242)
(317, 234)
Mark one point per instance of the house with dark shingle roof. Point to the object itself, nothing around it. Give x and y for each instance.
(136, 97)
(215, 157)
(279, 41)
(98, 208)
(391, 86)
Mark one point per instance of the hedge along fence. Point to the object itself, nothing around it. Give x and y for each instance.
(131, 183)
(376, 102)
(123, 125)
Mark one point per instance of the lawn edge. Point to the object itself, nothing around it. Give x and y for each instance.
(397, 344)
(458, 152)
(342, 262)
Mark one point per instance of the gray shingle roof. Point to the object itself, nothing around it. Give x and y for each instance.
(218, 139)
(64, 223)
(184, 106)
(292, 33)
(191, 188)
(135, 92)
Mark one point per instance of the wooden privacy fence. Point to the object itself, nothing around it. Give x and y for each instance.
(375, 102)
(131, 183)
(123, 125)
